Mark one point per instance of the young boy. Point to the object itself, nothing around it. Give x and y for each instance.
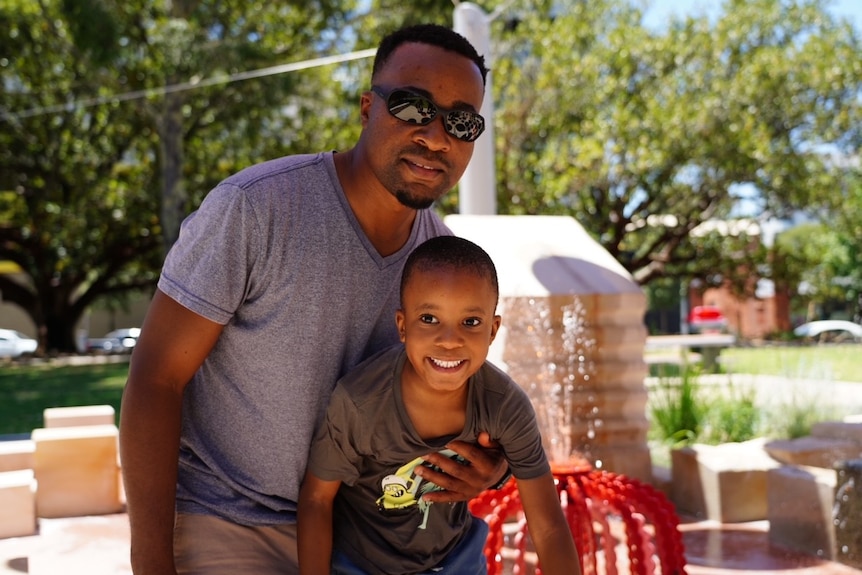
(362, 493)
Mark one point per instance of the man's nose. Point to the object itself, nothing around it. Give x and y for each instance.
(434, 136)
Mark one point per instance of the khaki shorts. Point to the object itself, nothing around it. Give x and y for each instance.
(206, 545)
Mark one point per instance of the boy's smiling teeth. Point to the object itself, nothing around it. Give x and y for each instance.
(446, 364)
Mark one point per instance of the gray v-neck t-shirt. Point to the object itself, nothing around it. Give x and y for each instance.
(276, 255)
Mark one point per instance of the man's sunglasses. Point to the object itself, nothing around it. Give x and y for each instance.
(413, 108)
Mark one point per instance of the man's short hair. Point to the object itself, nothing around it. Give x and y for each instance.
(451, 252)
(432, 34)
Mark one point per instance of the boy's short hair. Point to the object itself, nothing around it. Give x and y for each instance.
(432, 34)
(451, 252)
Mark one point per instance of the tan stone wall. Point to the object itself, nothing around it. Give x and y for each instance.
(591, 371)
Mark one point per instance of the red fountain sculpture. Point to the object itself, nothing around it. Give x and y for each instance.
(592, 500)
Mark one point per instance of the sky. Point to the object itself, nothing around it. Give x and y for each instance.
(660, 10)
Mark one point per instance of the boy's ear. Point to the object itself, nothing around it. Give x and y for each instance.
(399, 322)
(495, 327)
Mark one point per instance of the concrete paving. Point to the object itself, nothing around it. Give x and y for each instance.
(99, 545)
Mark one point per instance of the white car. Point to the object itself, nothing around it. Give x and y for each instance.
(830, 330)
(117, 341)
(15, 344)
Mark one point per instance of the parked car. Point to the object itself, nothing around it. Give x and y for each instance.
(15, 344)
(830, 330)
(706, 319)
(117, 341)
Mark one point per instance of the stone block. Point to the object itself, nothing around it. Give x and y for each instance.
(847, 514)
(846, 430)
(661, 479)
(78, 471)
(800, 501)
(16, 455)
(725, 482)
(78, 415)
(825, 452)
(18, 502)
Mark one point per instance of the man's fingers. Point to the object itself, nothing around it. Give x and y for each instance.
(441, 479)
(454, 489)
(462, 481)
(489, 464)
(485, 440)
(481, 458)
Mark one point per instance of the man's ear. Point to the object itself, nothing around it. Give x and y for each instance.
(400, 322)
(365, 108)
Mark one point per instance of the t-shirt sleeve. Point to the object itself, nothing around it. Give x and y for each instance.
(208, 269)
(333, 455)
(520, 436)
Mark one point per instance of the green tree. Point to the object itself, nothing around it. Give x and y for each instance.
(645, 135)
(840, 265)
(105, 145)
(809, 257)
(73, 208)
(849, 216)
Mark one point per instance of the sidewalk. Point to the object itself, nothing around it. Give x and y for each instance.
(99, 545)
(96, 545)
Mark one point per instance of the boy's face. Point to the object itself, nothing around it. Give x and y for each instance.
(446, 322)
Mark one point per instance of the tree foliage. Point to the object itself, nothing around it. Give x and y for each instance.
(116, 118)
(645, 135)
(105, 145)
(825, 257)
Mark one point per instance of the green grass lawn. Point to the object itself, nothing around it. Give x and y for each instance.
(25, 391)
(826, 362)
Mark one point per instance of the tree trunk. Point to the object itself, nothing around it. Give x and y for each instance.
(174, 197)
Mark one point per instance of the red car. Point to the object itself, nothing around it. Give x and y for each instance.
(706, 319)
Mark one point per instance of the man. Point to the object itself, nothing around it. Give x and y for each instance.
(284, 279)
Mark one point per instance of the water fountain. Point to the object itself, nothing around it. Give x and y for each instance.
(577, 337)
(573, 337)
(847, 514)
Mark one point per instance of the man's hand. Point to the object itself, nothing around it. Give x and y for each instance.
(461, 482)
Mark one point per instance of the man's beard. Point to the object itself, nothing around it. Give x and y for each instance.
(413, 202)
(402, 190)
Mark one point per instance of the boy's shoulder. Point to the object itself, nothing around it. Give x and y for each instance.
(494, 380)
(374, 374)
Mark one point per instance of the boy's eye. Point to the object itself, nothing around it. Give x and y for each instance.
(472, 322)
(427, 318)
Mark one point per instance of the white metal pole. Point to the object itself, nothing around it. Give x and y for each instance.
(477, 189)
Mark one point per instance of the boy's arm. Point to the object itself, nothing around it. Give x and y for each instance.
(314, 524)
(548, 528)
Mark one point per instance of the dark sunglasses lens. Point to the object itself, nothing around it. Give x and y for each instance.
(464, 125)
(415, 109)
(411, 108)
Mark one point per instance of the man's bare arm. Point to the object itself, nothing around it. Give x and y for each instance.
(173, 343)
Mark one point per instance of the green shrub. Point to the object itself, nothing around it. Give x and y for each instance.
(795, 418)
(677, 408)
(682, 412)
(732, 418)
